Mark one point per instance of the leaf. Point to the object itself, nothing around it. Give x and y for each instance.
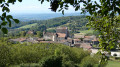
(4, 14)
(4, 23)
(7, 4)
(16, 20)
(89, 0)
(5, 9)
(2, 5)
(4, 30)
(20, 0)
(63, 12)
(77, 8)
(42, 1)
(9, 16)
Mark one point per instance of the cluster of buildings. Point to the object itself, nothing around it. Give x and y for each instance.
(62, 36)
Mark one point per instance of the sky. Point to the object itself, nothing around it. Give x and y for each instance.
(34, 7)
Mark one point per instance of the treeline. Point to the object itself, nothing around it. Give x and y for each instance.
(74, 23)
(44, 55)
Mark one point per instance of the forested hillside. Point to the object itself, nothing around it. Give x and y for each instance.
(74, 24)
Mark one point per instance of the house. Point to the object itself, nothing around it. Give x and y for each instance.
(115, 53)
(77, 36)
(21, 40)
(94, 50)
(32, 40)
(85, 46)
(77, 41)
(62, 30)
(31, 32)
(61, 36)
(95, 41)
(68, 42)
(87, 40)
(48, 36)
(77, 45)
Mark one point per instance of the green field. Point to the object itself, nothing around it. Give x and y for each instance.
(27, 26)
(113, 64)
(86, 31)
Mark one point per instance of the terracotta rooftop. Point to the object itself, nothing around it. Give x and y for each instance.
(76, 39)
(95, 39)
(85, 45)
(61, 35)
(30, 32)
(22, 39)
(78, 36)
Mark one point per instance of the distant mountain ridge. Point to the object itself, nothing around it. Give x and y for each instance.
(28, 17)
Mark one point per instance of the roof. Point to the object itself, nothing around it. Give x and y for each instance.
(62, 28)
(90, 37)
(95, 39)
(22, 39)
(85, 45)
(76, 39)
(47, 42)
(78, 36)
(87, 39)
(18, 39)
(61, 35)
(30, 32)
(77, 45)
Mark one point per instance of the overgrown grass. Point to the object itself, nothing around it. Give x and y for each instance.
(27, 26)
(113, 64)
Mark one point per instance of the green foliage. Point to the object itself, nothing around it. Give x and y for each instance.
(51, 61)
(5, 56)
(43, 54)
(39, 34)
(90, 61)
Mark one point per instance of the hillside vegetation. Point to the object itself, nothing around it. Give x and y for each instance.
(43, 55)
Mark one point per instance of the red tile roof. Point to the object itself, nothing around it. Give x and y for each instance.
(85, 45)
(61, 35)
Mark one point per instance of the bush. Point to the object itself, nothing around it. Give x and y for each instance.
(5, 56)
(89, 62)
(51, 61)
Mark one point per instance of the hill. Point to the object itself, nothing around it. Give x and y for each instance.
(75, 24)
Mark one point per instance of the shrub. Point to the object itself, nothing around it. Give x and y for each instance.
(52, 61)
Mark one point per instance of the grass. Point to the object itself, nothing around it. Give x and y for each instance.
(27, 26)
(86, 31)
(113, 64)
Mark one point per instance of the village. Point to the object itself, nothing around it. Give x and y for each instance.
(90, 43)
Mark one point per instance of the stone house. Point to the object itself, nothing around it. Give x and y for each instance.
(85, 46)
(48, 36)
(77, 41)
(62, 30)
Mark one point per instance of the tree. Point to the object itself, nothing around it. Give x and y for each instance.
(23, 33)
(102, 17)
(39, 34)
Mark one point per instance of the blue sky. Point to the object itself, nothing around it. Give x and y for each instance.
(34, 6)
